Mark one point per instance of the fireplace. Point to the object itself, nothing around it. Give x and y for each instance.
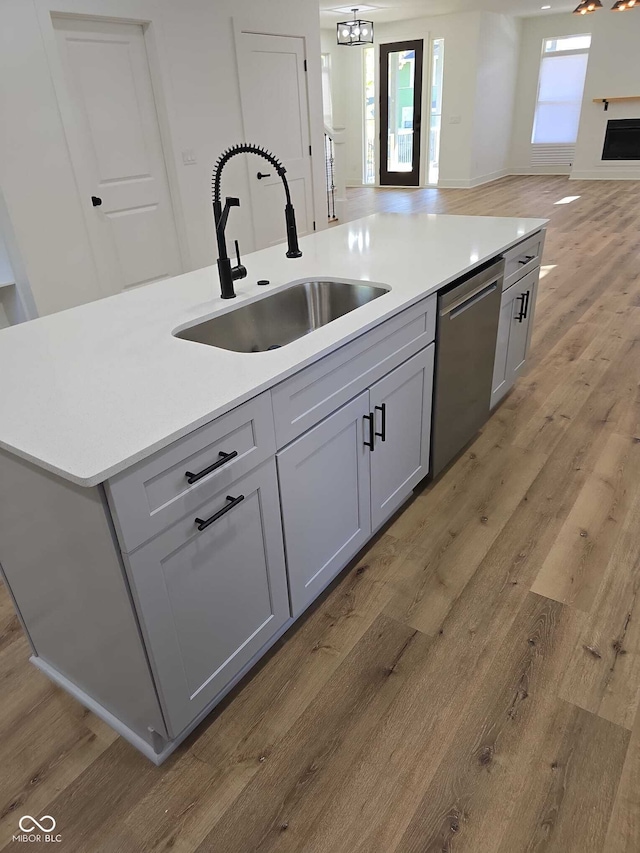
(622, 140)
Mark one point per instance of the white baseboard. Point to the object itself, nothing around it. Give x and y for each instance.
(541, 170)
(467, 184)
(106, 716)
(612, 174)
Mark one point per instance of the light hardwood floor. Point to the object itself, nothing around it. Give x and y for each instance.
(472, 684)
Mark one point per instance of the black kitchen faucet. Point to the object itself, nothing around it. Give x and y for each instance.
(228, 273)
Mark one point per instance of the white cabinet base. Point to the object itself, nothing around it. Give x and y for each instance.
(164, 748)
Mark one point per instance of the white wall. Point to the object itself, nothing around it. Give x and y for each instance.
(480, 55)
(194, 69)
(534, 31)
(496, 73)
(347, 98)
(613, 70)
(205, 99)
(35, 172)
(461, 43)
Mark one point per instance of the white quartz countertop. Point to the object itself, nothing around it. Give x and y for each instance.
(89, 391)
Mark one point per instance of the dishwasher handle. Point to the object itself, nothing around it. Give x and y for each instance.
(468, 301)
(458, 293)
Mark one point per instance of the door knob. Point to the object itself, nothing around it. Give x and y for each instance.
(96, 201)
(260, 175)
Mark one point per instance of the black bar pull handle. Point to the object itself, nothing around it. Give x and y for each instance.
(262, 175)
(526, 304)
(372, 431)
(521, 315)
(383, 429)
(224, 458)
(527, 259)
(203, 524)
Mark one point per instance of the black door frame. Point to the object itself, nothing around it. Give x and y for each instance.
(412, 178)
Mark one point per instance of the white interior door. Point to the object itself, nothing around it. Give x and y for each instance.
(275, 111)
(109, 113)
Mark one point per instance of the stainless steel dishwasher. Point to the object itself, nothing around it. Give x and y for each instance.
(468, 314)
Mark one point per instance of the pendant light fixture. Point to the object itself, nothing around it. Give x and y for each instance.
(355, 31)
(585, 7)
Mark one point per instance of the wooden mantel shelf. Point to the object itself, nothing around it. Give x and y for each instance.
(607, 101)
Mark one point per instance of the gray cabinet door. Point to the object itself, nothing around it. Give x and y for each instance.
(514, 334)
(325, 496)
(522, 324)
(401, 404)
(209, 600)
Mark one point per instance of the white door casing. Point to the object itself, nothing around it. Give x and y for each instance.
(108, 109)
(275, 112)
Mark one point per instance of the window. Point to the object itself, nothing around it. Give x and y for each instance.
(567, 43)
(435, 125)
(369, 159)
(560, 88)
(327, 104)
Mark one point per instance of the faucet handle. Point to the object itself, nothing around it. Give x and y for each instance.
(239, 271)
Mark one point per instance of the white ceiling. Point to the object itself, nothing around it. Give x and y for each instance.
(396, 10)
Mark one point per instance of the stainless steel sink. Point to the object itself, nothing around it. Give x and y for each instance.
(283, 317)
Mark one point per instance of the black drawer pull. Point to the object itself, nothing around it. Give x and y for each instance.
(527, 259)
(383, 429)
(372, 431)
(224, 458)
(202, 524)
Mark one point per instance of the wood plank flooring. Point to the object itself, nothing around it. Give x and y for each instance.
(472, 683)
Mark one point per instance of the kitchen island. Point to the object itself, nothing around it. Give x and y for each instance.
(168, 509)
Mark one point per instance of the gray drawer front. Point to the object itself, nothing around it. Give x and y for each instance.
(148, 497)
(306, 398)
(523, 258)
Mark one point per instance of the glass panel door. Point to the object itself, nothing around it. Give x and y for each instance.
(400, 112)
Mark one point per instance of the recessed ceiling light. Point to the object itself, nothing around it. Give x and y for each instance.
(346, 10)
